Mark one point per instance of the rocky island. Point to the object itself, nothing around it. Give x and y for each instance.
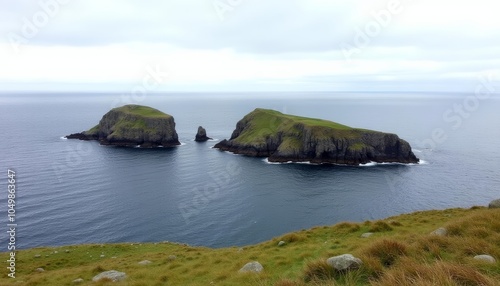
(201, 135)
(288, 138)
(131, 126)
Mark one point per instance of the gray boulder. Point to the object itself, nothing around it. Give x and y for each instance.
(344, 262)
(485, 258)
(252, 267)
(145, 262)
(112, 275)
(40, 270)
(201, 135)
(440, 232)
(171, 257)
(366, 235)
(494, 204)
(281, 243)
(78, 281)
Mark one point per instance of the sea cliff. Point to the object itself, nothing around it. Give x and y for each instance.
(131, 126)
(285, 138)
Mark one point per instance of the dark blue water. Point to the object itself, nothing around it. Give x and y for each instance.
(73, 192)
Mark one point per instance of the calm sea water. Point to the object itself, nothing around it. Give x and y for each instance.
(73, 192)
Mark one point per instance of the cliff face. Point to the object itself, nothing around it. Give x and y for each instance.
(283, 138)
(201, 135)
(133, 125)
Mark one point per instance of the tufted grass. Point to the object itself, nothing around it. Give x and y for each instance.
(404, 255)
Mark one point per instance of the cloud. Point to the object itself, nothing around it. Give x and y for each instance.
(271, 26)
(272, 42)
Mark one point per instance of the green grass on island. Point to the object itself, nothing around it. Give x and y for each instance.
(299, 119)
(401, 251)
(265, 123)
(93, 130)
(142, 111)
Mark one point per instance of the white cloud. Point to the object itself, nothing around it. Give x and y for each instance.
(264, 43)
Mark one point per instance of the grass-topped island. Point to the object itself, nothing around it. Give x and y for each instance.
(287, 138)
(133, 125)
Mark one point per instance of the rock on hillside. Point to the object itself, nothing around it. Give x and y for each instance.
(133, 125)
(494, 204)
(252, 267)
(112, 275)
(344, 262)
(284, 138)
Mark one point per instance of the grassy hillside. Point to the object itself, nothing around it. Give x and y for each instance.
(264, 123)
(400, 252)
(262, 114)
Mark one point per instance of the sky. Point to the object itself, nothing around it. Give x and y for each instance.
(243, 45)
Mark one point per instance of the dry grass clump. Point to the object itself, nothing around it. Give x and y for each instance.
(287, 282)
(409, 273)
(380, 226)
(395, 223)
(347, 227)
(387, 252)
(98, 269)
(293, 237)
(480, 225)
(319, 273)
(433, 245)
(318, 270)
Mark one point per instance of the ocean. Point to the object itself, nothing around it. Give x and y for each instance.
(72, 192)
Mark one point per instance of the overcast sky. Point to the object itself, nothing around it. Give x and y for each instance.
(243, 45)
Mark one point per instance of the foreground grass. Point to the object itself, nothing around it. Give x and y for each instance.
(401, 252)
